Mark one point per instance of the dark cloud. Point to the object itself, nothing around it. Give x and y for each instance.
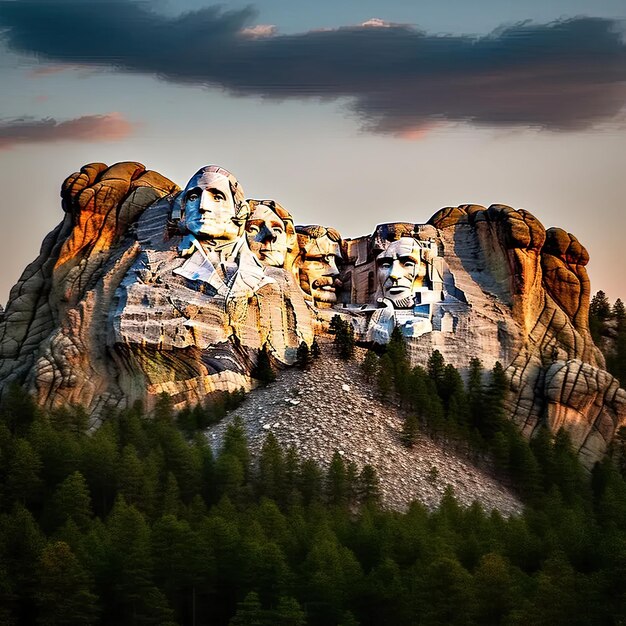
(569, 74)
(109, 127)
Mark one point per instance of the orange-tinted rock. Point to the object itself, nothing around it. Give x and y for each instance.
(448, 216)
(521, 295)
(563, 259)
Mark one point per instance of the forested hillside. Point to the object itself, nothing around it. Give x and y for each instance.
(141, 523)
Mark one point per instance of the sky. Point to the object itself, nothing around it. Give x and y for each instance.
(348, 113)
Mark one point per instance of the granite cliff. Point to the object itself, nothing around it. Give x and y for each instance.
(145, 288)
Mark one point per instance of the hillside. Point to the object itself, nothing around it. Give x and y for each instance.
(332, 407)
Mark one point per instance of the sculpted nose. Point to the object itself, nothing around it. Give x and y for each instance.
(396, 272)
(333, 270)
(265, 234)
(205, 203)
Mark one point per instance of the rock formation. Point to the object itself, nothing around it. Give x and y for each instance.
(144, 288)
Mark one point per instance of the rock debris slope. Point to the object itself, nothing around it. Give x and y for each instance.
(331, 407)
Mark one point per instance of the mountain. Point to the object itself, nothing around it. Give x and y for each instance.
(145, 288)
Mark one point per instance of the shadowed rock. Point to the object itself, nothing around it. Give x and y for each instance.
(125, 301)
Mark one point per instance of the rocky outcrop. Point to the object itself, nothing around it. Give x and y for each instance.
(144, 289)
(557, 373)
(53, 337)
(363, 430)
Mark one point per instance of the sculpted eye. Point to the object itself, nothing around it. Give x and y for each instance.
(278, 230)
(218, 195)
(193, 196)
(252, 228)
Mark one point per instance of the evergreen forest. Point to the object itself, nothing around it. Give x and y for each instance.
(141, 522)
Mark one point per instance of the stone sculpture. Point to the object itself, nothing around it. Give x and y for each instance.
(207, 302)
(405, 289)
(401, 272)
(318, 263)
(271, 234)
(144, 289)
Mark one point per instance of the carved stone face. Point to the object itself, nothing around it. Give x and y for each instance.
(267, 236)
(210, 207)
(401, 271)
(319, 269)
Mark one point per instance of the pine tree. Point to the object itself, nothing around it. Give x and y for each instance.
(492, 418)
(369, 486)
(182, 561)
(303, 358)
(316, 351)
(475, 391)
(495, 589)
(384, 377)
(369, 365)
(600, 306)
(310, 481)
(436, 369)
(249, 612)
(618, 312)
(336, 481)
(344, 340)
(171, 503)
(445, 593)
(263, 370)
(72, 419)
(164, 409)
(72, 501)
(130, 477)
(410, 430)
(336, 323)
(236, 443)
(288, 612)
(271, 473)
(64, 588)
(23, 482)
(21, 544)
(134, 598)
(599, 312)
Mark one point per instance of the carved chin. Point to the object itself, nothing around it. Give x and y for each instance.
(407, 302)
(396, 294)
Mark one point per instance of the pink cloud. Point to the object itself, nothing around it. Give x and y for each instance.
(46, 70)
(42, 97)
(415, 133)
(109, 127)
(259, 31)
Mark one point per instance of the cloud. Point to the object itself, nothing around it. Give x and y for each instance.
(46, 70)
(260, 30)
(569, 74)
(110, 127)
(376, 22)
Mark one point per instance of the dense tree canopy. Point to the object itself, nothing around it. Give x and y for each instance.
(143, 522)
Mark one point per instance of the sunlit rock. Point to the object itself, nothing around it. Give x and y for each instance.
(144, 288)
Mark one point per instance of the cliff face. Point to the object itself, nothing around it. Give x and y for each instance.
(142, 290)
